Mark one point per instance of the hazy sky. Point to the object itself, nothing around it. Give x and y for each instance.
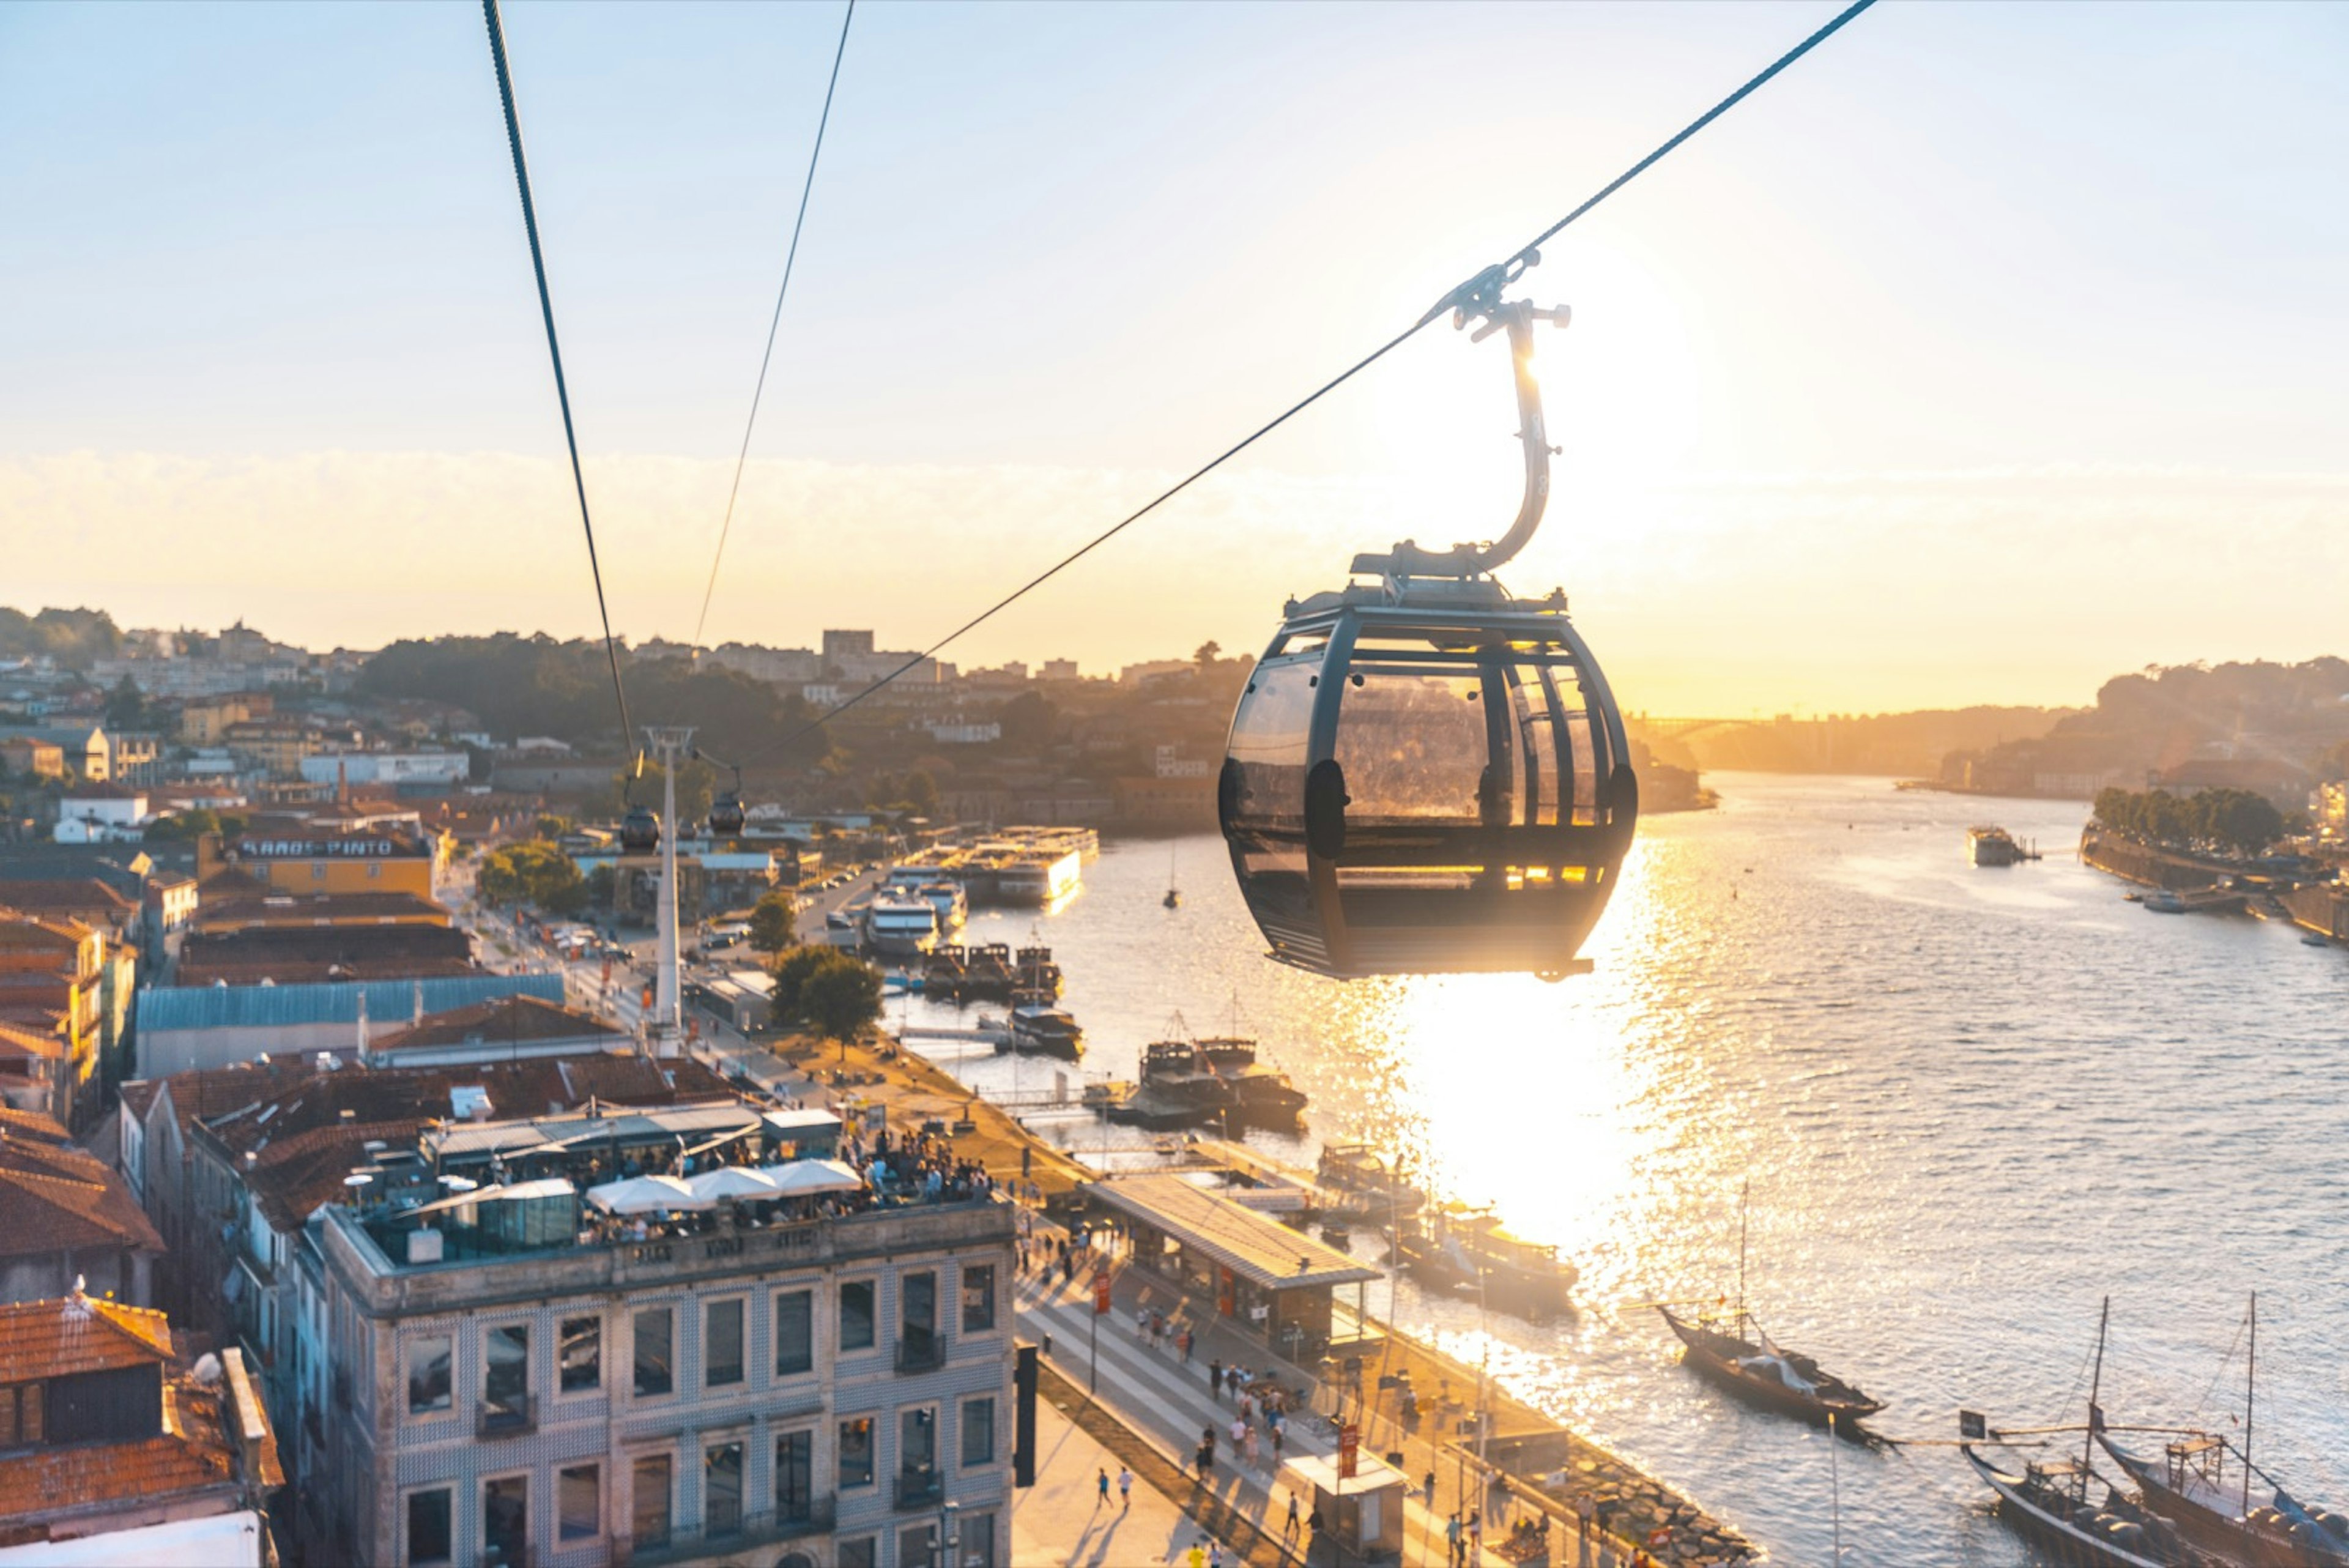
(1990, 351)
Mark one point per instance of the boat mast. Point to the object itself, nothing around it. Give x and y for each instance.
(2250, 1390)
(2095, 1386)
(1744, 1193)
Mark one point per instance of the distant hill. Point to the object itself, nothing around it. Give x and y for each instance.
(2277, 729)
(71, 637)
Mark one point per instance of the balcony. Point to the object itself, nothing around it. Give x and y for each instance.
(921, 1353)
(920, 1489)
(511, 1418)
(756, 1530)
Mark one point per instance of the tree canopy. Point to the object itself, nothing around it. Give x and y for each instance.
(534, 872)
(2237, 819)
(774, 923)
(836, 993)
(72, 637)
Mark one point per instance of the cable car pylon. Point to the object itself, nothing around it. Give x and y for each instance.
(1427, 774)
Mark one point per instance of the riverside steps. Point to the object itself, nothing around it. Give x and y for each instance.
(1585, 1506)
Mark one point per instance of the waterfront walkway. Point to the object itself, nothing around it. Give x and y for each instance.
(1062, 1523)
(1165, 1402)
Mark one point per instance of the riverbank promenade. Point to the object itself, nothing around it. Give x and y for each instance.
(1162, 1404)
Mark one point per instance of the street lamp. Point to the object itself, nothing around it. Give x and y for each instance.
(943, 1554)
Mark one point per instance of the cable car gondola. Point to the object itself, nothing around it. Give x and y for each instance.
(725, 813)
(1425, 774)
(640, 830)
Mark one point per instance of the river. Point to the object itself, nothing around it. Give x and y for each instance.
(1970, 1104)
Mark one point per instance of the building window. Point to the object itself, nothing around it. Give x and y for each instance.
(505, 1521)
(20, 1416)
(721, 1344)
(579, 1503)
(428, 1528)
(654, 1331)
(917, 1305)
(975, 1547)
(583, 1353)
(650, 1506)
(375, 869)
(865, 1551)
(978, 1432)
(915, 1544)
(794, 1333)
(978, 1298)
(721, 1489)
(856, 1453)
(795, 1476)
(856, 1313)
(505, 1370)
(917, 1446)
(428, 1375)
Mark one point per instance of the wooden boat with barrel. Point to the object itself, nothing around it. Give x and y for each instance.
(1766, 1375)
(2241, 1513)
(2050, 1506)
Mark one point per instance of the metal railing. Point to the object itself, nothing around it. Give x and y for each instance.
(757, 1530)
(920, 1489)
(507, 1418)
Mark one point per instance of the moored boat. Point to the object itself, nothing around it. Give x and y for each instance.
(1046, 1032)
(1365, 1186)
(2050, 1506)
(1176, 1089)
(1262, 1095)
(1992, 847)
(1768, 1375)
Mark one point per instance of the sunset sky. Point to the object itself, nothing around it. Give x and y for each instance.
(1991, 350)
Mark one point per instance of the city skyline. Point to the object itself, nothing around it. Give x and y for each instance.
(1965, 363)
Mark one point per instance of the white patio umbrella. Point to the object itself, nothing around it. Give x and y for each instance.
(732, 1181)
(646, 1194)
(805, 1178)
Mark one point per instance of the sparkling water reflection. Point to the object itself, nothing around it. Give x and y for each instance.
(1969, 1101)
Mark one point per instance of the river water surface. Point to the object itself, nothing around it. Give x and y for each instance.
(1970, 1104)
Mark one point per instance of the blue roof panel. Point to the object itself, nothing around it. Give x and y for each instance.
(389, 1002)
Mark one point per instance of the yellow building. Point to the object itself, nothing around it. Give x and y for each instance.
(314, 860)
(205, 721)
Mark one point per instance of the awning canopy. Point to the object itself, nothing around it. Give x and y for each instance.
(732, 1181)
(806, 1177)
(1259, 1249)
(647, 1195)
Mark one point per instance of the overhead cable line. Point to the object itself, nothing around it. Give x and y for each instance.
(1503, 272)
(554, 352)
(789, 256)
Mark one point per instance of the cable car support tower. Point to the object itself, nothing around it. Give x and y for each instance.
(665, 1024)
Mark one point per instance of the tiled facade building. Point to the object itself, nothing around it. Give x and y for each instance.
(831, 1390)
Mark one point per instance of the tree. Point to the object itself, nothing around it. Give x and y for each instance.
(1209, 651)
(551, 826)
(843, 998)
(774, 923)
(1028, 720)
(922, 793)
(534, 872)
(126, 706)
(792, 972)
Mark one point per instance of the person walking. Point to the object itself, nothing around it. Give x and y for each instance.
(1186, 1342)
(1101, 1488)
(1197, 1557)
(1141, 1323)
(1124, 1489)
(1216, 1380)
(1451, 1539)
(1428, 1485)
(1289, 1531)
(1476, 1535)
(1206, 1456)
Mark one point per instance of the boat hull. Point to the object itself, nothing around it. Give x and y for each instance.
(2232, 1537)
(2071, 1542)
(1711, 1356)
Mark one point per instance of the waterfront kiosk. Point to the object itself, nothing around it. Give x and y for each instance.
(1360, 1513)
(1255, 1273)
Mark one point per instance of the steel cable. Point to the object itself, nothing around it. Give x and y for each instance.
(789, 256)
(554, 351)
(1525, 256)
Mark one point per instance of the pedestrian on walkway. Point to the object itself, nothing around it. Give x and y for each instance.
(1451, 1539)
(1215, 1555)
(1249, 1448)
(1186, 1342)
(1289, 1531)
(1239, 1434)
(1206, 1456)
(1476, 1534)
(1216, 1380)
(1101, 1488)
(1124, 1489)
(1141, 1323)
(1277, 1438)
(1197, 1557)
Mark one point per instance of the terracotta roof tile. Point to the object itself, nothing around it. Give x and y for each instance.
(68, 1204)
(505, 1018)
(56, 1338)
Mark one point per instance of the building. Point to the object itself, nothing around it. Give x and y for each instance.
(506, 1029)
(231, 1163)
(100, 812)
(137, 756)
(205, 722)
(112, 1453)
(84, 748)
(290, 955)
(185, 1028)
(386, 770)
(66, 1217)
(60, 979)
(529, 1381)
(29, 756)
(306, 855)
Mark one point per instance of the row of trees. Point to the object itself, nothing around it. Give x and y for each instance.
(2236, 819)
(536, 871)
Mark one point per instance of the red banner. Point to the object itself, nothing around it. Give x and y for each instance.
(1349, 1450)
(1101, 1295)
